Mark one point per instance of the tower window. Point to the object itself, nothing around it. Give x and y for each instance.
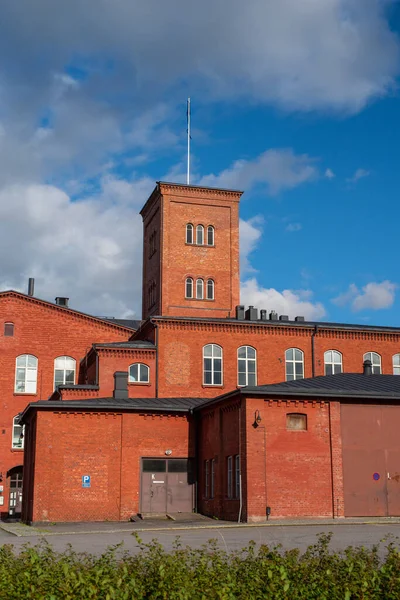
(210, 289)
(152, 240)
(152, 293)
(200, 235)
(189, 288)
(199, 289)
(189, 233)
(210, 235)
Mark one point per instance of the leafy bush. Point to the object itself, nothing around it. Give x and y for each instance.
(41, 573)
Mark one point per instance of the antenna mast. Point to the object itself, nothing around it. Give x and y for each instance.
(188, 142)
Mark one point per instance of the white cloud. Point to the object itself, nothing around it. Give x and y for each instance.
(288, 302)
(358, 174)
(277, 169)
(373, 296)
(291, 227)
(329, 174)
(250, 233)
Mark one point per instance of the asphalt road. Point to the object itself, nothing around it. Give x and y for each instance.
(228, 538)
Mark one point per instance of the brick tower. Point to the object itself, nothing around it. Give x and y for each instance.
(190, 251)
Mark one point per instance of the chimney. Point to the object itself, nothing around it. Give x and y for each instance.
(367, 367)
(240, 313)
(284, 318)
(273, 316)
(251, 314)
(120, 385)
(60, 301)
(31, 286)
(263, 314)
(299, 319)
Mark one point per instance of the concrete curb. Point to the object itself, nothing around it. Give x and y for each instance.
(20, 531)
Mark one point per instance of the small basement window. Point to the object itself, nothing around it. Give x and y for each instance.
(296, 422)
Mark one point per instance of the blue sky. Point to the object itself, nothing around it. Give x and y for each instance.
(295, 103)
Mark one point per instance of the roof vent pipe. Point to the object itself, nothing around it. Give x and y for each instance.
(61, 301)
(120, 385)
(367, 367)
(251, 314)
(240, 312)
(31, 286)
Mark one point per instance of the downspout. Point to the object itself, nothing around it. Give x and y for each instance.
(195, 425)
(156, 343)
(240, 463)
(314, 333)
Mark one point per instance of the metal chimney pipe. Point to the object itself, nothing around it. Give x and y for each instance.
(31, 286)
(367, 367)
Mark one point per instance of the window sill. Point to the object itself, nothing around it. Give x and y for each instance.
(201, 299)
(213, 385)
(17, 449)
(200, 245)
(25, 394)
(142, 383)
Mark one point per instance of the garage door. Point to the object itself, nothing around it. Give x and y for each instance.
(371, 460)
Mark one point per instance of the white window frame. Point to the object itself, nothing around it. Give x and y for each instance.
(200, 289)
(294, 361)
(210, 286)
(237, 476)
(189, 282)
(139, 379)
(30, 374)
(200, 235)
(64, 370)
(212, 482)
(229, 480)
(329, 360)
(246, 360)
(210, 230)
(396, 367)
(376, 361)
(216, 354)
(18, 431)
(189, 233)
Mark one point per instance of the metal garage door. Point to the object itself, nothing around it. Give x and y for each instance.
(371, 460)
(166, 486)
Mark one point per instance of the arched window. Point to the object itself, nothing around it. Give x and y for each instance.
(64, 371)
(212, 365)
(8, 329)
(333, 362)
(210, 289)
(26, 374)
(139, 373)
(189, 233)
(247, 366)
(210, 235)
(294, 362)
(200, 235)
(199, 289)
(189, 288)
(17, 434)
(396, 364)
(376, 361)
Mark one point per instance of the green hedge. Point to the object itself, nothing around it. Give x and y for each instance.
(41, 573)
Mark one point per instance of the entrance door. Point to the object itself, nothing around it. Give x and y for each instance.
(371, 460)
(15, 498)
(165, 487)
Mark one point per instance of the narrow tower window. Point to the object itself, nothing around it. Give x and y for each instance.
(189, 233)
(189, 287)
(210, 289)
(200, 235)
(210, 235)
(199, 289)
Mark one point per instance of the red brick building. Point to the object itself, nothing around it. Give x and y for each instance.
(174, 431)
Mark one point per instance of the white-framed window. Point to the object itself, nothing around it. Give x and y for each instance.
(294, 364)
(212, 482)
(26, 374)
(396, 364)
(210, 235)
(200, 235)
(189, 287)
(189, 233)
(229, 482)
(199, 289)
(333, 362)
(212, 364)
(8, 329)
(207, 478)
(139, 373)
(247, 366)
(64, 371)
(17, 434)
(376, 361)
(237, 476)
(210, 289)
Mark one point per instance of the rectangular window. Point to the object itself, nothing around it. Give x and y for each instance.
(207, 478)
(8, 329)
(237, 476)
(212, 478)
(17, 435)
(229, 477)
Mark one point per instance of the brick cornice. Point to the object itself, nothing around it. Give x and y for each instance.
(239, 327)
(196, 191)
(143, 352)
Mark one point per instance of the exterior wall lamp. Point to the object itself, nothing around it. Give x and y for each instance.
(257, 419)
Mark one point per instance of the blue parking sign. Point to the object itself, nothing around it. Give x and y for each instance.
(86, 481)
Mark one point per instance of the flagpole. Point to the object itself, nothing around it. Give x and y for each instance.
(188, 142)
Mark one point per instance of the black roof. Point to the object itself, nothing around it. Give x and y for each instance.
(342, 384)
(129, 404)
(132, 344)
(131, 323)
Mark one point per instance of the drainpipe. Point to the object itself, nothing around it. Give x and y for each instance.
(156, 343)
(314, 333)
(240, 463)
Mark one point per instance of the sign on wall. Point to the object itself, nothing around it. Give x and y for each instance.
(86, 481)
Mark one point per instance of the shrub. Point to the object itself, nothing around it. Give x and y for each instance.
(39, 572)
